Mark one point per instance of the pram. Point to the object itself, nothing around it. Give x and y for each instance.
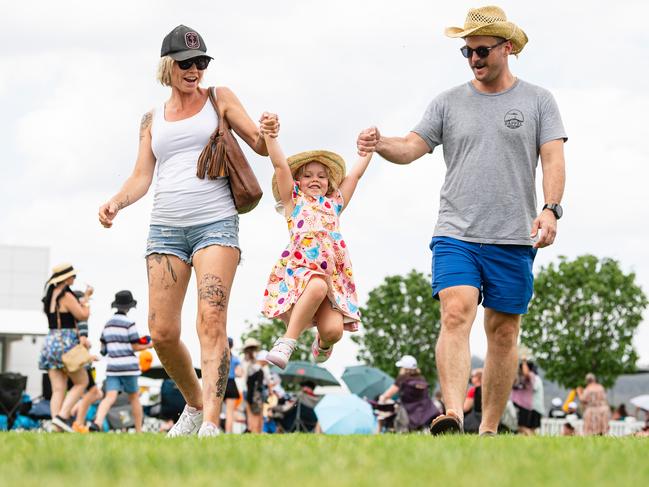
(296, 414)
(391, 416)
(12, 388)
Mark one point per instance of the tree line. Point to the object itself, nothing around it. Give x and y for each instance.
(582, 318)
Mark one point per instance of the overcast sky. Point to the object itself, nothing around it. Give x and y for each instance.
(76, 78)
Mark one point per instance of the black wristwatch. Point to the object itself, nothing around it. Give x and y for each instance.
(554, 208)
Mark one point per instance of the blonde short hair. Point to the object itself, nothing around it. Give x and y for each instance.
(165, 67)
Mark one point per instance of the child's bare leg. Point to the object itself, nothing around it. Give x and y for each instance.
(301, 318)
(330, 324)
(306, 307)
(104, 406)
(136, 409)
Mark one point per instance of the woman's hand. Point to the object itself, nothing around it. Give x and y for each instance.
(107, 212)
(89, 291)
(269, 124)
(85, 342)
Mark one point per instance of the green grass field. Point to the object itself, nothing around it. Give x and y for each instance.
(267, 461)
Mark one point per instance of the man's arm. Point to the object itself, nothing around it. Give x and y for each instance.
(399, 150)
(554, 181)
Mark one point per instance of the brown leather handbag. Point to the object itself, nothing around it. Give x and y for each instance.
(75, 358)
(222, 157)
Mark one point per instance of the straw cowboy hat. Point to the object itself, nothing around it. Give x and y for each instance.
(490, 21)
(60, 273)
(331, 160)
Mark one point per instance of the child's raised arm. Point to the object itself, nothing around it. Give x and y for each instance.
(282, 171)
(348, 184)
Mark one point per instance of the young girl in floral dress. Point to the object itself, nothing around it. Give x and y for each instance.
(312, 282)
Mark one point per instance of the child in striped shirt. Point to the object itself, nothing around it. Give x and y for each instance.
(119, 342)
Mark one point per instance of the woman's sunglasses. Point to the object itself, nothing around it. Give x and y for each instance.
(201, 63)
(481, 51)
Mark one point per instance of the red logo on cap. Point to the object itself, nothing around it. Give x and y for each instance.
(192, 41)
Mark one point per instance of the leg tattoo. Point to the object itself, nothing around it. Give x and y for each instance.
(224, 370)
(170, 269)
(212, 290)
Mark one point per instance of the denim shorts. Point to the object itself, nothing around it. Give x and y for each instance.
(126, 383)
(501, 273)
(184, 242)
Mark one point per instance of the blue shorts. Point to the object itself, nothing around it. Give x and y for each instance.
(184, 242)
(126, 383)
(501, 273)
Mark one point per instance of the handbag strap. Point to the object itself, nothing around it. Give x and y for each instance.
(222, 123)
(58, 315)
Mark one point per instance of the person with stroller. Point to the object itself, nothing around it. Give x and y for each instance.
(412, 388)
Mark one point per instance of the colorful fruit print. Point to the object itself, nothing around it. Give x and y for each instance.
(316, 247)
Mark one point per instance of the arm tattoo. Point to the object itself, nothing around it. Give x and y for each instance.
(145, 123)
(212, 290)
(123, 204)
(224, 371)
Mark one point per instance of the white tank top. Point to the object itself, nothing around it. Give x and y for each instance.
(181, 199)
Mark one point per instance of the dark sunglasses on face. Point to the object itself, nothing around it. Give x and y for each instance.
(201, 63)
(481, 51)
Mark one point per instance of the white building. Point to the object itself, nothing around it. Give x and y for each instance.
(23, 325)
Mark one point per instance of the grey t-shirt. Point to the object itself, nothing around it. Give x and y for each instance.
(491, 148)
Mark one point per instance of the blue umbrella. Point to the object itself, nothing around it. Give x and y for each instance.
(345, 415)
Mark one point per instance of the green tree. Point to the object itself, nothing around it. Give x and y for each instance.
(267, 331)
(400, 318)
(582, 319)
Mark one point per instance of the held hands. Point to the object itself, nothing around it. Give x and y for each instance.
(107, 212)
(546, 225)
(367, 141)
(269, 124)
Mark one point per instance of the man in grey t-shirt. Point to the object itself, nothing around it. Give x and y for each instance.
(492, 130)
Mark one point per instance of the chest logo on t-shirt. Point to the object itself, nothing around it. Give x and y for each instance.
(514, 119)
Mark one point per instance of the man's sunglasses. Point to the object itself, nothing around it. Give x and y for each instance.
(481, 51)
(201, 63)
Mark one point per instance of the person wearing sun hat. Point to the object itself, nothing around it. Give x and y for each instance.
(63, 310)
(493, 130)
(312, 283)
(194, 221)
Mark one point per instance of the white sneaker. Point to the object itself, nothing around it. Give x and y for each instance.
(281, 352)
(208, 429)
(188, 423)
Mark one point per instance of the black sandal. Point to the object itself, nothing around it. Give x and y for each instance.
(445, 424)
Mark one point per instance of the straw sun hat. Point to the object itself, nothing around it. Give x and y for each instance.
(330, 160)
(490, 21)
(60, 273)
(251, 343)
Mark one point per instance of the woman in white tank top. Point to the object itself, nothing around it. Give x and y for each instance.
(193, 222)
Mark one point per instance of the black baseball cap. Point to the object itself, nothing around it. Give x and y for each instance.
(183, 43)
